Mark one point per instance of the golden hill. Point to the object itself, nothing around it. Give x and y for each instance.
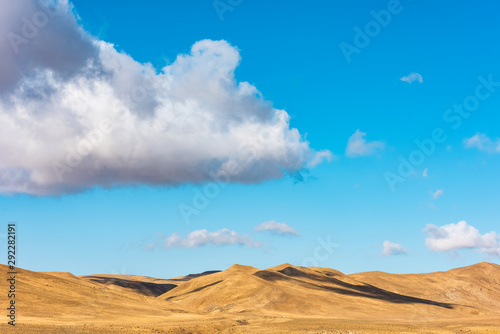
(299, 291)
(277, 299)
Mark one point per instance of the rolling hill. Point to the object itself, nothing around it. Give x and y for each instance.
(244, 297)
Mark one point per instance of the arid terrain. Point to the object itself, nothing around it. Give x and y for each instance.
(242, 299)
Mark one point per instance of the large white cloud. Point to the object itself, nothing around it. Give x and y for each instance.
(453, 237)
(76, 113)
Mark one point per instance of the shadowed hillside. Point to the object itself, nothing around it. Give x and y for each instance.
(291, 290)
(244, 296)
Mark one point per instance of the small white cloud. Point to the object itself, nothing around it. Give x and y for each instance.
(276, 228)
(483, 143)
(319, 157)
(358, 146)
(201, 238)
(391, 248)
(412, 77)
(437, 194)
(453, 237)
(424, 173)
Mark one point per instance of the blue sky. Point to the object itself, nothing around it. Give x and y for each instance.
(291, 53)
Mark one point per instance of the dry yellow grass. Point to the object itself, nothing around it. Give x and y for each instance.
(242, 299)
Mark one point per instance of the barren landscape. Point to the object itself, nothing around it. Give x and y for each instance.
(151, 151)
(243, 299)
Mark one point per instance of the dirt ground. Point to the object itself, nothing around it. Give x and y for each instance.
(259, 325)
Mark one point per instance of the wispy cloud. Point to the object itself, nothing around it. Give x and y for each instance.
(276, 228)
(483, 143)
(358, 146)
(424, 173)
(319, 157)
(438, 193)
(453, 237)
(199, 238)
(391, 248)
(412, 77)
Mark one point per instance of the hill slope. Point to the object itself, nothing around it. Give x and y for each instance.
(477, 285)
(299, 291)
(241, 295)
